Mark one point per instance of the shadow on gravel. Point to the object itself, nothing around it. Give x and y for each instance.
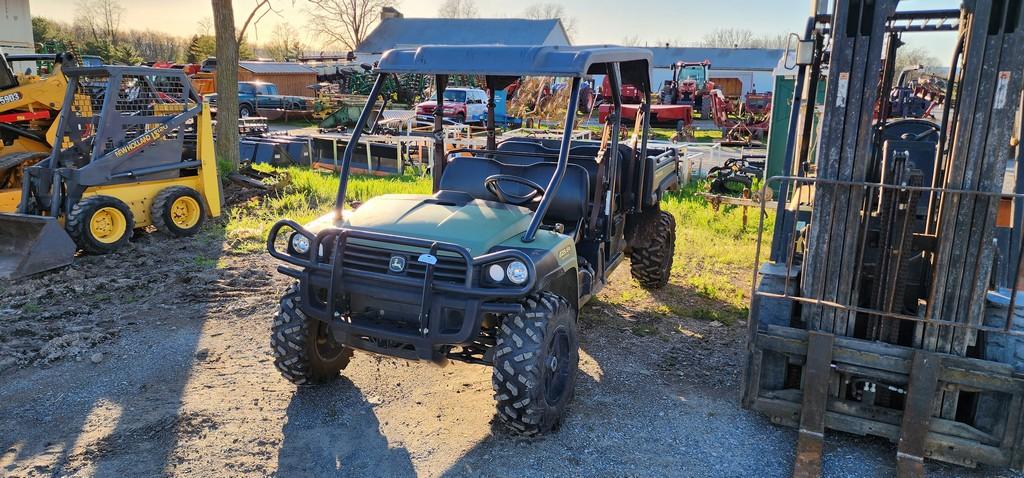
(116, 410)
(502, 450)
(332, 430)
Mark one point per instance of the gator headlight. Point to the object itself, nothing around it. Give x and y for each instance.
(300, 243)
(517, 272)
(496, 273)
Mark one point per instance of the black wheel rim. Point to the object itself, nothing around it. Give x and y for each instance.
(556, 366)
(326, 348)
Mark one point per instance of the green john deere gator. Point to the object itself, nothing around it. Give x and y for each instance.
(493, 267)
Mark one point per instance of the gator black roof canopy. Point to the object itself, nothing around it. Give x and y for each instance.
(514, 61)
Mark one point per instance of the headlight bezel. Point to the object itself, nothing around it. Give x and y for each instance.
(294, 248)
(520, 267)
(495, 269)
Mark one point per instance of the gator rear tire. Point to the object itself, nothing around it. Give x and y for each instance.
(535, 364)
(651, 255)
(100, 224)
(178, 211)
(304, 350)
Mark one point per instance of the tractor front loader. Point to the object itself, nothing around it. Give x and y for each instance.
(133, 147)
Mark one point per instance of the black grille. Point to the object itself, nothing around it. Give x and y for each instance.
(375, 259)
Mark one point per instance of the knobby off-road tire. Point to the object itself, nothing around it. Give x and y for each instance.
(652, 250)
(304, 351)
(168, 220)
(79, 224)
(535, 364)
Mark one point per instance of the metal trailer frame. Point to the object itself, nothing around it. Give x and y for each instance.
(822, 353)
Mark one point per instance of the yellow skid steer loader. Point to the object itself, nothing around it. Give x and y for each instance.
(29, 108)
(135, 149)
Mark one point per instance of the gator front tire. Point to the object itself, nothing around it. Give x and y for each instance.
(535, 364)
(304, 350)
(178, 211)
(100, 224)
(651, 256)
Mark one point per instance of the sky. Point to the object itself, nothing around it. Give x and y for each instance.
(597, 21)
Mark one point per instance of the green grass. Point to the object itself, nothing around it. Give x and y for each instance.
(308, 195)
(715, 251)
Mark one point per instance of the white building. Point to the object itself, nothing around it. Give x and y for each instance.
(16, 30)
(736, 71)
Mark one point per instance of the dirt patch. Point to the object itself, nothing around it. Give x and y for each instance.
(186, 387)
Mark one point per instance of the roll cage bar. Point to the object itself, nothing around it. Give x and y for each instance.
(599, 60)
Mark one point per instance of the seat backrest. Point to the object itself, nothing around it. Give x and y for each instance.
(588, 162)
(467, 174)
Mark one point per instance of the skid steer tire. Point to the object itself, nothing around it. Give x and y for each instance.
(304, 351)
(100, 224)
(178, 211)
(535, 364)
(653, 249)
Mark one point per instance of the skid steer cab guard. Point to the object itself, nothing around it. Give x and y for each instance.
(135, 148)
(493, 267)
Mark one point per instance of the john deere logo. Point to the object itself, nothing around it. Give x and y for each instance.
(397, 264)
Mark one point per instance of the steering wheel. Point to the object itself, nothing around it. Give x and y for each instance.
(492, 185)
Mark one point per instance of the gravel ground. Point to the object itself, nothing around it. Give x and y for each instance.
(155, 362)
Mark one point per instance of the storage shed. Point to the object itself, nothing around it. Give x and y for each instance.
(290, 78)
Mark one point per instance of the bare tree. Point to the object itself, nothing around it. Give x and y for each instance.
(101, 17)
(914, 56)
(345, 23)
(631, 40)
(727, 38)
(284, 42)
(777, 41)
(458, 9)
(545, 11)
(227, 82)
(204, 26)
(741, 38)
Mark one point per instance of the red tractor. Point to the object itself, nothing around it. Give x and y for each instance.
(675, 114)
(689, 86)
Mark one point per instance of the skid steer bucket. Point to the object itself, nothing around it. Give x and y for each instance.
(31, 244)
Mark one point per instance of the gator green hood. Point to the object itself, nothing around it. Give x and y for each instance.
(474, 224)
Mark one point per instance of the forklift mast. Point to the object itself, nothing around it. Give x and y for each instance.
(887, 307)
